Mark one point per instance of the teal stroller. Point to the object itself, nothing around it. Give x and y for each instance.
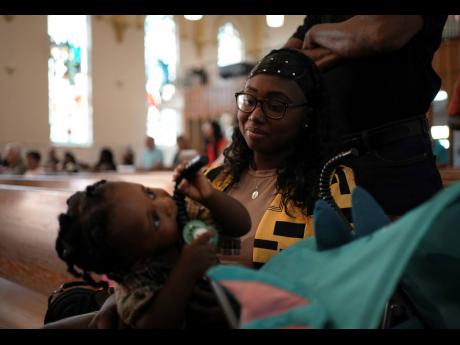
(404, 274)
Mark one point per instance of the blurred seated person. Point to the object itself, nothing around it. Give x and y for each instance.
(52, 162)
(69, 163)
(214, 140)
(33, 159)
(152, 157)
(128, 157)
(183, 153)
(106, 161)
(13, 162)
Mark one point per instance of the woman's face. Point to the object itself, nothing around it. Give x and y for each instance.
(143, 220)
(265, 135)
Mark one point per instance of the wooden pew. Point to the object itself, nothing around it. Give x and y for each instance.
(21, 307)
(28, 230)
(29, 266)
(158, 179)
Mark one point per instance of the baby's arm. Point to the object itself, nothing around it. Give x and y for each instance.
(166, 310)
(232, 216)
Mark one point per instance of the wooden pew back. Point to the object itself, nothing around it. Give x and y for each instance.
(28, 231)
(160, 179)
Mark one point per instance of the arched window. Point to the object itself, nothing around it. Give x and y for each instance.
(229, 45)
(160, 61)
(70, 113)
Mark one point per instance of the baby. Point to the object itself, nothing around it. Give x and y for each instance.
(129, 232)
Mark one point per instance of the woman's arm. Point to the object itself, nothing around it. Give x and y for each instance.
(233, 218)
(364, 35)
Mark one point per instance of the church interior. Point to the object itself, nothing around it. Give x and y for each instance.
(78, 89)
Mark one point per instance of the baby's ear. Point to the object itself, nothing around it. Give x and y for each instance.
(331, 229)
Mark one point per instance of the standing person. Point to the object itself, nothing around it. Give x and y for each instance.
(381, 82)
(273, 163)
(214, 140)
(152, 158)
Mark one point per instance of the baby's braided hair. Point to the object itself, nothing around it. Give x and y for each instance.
(82, 238)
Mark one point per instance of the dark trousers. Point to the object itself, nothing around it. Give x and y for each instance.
(400, 175)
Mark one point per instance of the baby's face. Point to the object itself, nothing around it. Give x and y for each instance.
(143, 220)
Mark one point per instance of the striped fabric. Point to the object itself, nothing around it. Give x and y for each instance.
(277, 230)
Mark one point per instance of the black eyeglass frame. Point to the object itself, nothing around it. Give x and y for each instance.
(262, 102)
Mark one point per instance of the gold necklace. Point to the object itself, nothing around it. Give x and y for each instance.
(255, 193)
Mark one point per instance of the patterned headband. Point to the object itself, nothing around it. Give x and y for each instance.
(290, 64)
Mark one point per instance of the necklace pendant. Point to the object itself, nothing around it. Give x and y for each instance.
(255, 194)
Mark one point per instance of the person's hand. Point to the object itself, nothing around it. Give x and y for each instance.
(199, 189)
(107, 317)
(197, 257)
(324, 58)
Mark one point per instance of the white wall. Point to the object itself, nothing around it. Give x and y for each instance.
(24, 92)
(118, 79)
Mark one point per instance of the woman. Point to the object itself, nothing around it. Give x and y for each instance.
(214, 139)
(273, 163)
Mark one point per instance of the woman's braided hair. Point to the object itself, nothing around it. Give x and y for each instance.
(298, 175)
(82, 238)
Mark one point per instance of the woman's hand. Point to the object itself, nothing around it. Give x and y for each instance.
(199, 189)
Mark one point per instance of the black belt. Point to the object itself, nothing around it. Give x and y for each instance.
(381, 136)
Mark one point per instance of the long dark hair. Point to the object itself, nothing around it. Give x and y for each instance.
(298, 174)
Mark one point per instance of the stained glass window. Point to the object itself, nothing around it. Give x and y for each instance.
(68, 80)
(229, 45)
(160, 63)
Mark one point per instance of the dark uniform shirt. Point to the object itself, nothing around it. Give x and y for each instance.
(372, 91)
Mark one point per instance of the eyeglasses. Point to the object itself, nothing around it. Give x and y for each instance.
(272, 108)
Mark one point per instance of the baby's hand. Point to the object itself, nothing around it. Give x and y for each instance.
(199, 189)
(199, 256)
